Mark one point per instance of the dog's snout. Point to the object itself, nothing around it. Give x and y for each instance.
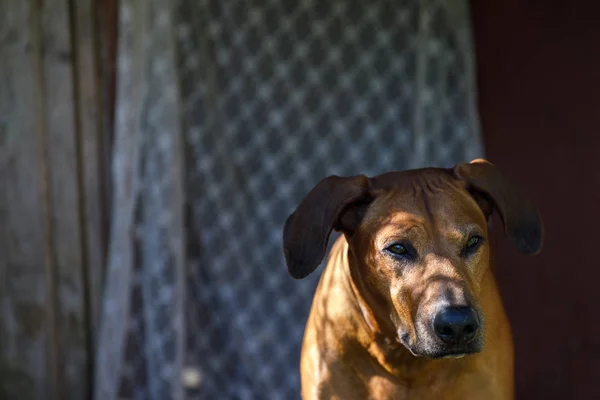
(456, 324)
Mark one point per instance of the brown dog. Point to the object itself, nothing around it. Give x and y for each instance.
(407, 306)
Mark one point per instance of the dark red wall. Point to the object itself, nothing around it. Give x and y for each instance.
(539, 99)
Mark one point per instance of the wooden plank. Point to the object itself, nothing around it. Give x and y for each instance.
(69, 239)
(26, 326)
(52, 221)
(91, 173)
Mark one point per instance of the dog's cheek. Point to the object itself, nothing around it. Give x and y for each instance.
(375, 269)
(478, 268)
(401, 305)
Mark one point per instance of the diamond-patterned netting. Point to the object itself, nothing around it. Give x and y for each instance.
(272, 96)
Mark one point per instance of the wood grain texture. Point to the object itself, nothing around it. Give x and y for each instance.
(26, 328)
(51, 206)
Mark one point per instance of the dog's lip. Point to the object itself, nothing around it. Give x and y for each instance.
(444, 355)
(455, 354)
(412, 352)
(404, 339)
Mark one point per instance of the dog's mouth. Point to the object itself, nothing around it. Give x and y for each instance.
(429, 347)
(454, 353)
(441, 353)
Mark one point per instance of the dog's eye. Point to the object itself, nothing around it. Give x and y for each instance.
(472, 244)
(403, 250)
(397, 249)
(473, 241)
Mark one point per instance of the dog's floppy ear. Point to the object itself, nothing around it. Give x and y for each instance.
(308, 228)
(522, 221)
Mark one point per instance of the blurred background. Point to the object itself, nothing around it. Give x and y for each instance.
(150, 152)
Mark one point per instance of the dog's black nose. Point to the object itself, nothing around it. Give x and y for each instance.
(456, 324)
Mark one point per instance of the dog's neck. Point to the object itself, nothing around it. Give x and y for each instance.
(376, 331)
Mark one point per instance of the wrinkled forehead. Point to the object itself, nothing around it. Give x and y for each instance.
(424, 197)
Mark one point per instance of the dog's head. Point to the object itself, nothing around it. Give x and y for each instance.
(418, 245)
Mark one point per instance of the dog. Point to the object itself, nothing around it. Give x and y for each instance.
(408, 306)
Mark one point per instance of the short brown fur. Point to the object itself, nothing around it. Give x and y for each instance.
(369, 332)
